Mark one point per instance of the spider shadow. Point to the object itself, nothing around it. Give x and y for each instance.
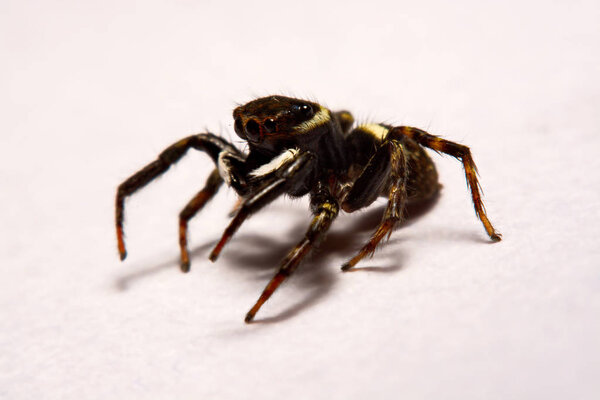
(249, 252)
(264, 254)
(311, 276)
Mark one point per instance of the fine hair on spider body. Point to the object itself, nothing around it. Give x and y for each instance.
(298, 147)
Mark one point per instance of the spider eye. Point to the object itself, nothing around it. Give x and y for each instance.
(270, 125)
(239, 127)
(252, 130)
(306, 109)
(303, 109)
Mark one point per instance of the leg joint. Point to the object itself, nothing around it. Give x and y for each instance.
(329, 208)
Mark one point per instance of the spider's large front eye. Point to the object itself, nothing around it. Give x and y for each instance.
(252, 130)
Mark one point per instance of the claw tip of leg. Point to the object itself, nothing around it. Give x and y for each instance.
(249, 318)
(123, 255)
(213, 257)
(185, 267)
(346, 267)
(496, 237)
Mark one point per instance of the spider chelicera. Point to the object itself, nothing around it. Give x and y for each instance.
(297, 147)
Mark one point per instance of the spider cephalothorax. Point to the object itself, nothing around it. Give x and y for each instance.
(270, 119)
(297, 147)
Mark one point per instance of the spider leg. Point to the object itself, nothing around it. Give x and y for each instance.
(209, 143)
(345, 119)
(272, 185)
(213, 183)
(325, 210)
(463, 153)
(390, 155)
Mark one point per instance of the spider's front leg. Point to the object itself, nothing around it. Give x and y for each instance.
(283, 173)
(387, 167)
(214, 146)
(213, 183)
(325, 208)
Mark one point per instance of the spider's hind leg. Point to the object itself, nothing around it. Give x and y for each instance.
(386, 169)
(463, 153)
(345, 119)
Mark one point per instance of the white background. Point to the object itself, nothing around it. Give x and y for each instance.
(92, 91)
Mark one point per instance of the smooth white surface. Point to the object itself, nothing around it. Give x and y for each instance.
(91, 91)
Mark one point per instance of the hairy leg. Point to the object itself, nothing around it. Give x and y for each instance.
(463, 153)
(325, 212)
(273, 185)
(213, 183)
(209, 143)
(396, 198)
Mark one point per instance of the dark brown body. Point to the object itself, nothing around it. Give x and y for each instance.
(297, 147)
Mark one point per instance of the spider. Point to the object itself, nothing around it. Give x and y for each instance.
(298, 147)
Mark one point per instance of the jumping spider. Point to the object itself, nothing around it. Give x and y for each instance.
(297, 147)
